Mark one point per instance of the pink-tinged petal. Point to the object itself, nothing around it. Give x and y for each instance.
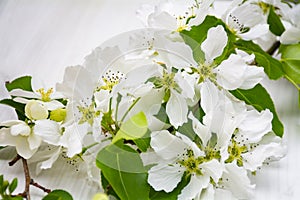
(165, 177)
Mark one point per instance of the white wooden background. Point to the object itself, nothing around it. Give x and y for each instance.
(42, 37)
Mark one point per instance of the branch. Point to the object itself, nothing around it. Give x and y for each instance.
(16, 159)
(27, 179)
(273, 48)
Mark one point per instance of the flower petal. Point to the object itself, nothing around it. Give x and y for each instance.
(256, 157)
(34, 141)
(255, 126)
(230, 72)
(236, 180)
(215, 43)
(194, 187)
(214, 169)
(166, 145)
(48, 130)
(201, 130)
(72, 140)
(165, 177)
(177, 109)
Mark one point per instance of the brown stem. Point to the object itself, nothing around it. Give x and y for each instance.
(273, 48)
(16, 159)
(39, 186)
(27, 179)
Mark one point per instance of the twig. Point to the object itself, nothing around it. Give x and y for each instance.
(27, 179)
(16, 159)
(273, 48)
(32, 182)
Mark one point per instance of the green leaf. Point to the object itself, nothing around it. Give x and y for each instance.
(107, 187)
(259, 98)
(275, 24)
(134, 128)
(143, 143)
(198, 34)
(123, 169)
(19, 107)
(290, 58)
(58, 195)
(23, 83)
(13, 185)
(272, 67)
(162, 114)
(162, 195)
(187, 130)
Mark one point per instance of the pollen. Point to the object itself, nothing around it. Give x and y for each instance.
(110, 79)
(45, 96)
(88, 114)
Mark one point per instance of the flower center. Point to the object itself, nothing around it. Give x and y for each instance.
(191, 163)
(45, 96)
(88, 114)
(235, 153)
(111, 79)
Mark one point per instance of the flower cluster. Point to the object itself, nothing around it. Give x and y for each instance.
(179, 111)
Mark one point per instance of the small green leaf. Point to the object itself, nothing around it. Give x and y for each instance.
(290, 58)
(13, 185)
(134, 128)
(272, 67)
(58, 195)
(143, 143)
(1, 180)
(123, 169)
(260, 99)
(187, 130)
(275, 24)
(19, 107)
(23, 83)
(162, 114)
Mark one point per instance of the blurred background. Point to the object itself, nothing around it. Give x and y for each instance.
(41, 38)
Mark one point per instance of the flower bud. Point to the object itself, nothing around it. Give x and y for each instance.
(36, 110)
(58, 115)
(100, 196)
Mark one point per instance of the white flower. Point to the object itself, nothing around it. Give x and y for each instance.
(233, 72)
(68, 134)
(175, 15)
(35, 110)
(178, 155)
(236, 180)
(292, 34)
(45, 97)
(19, 134)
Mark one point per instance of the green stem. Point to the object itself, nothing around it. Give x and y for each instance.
(293, 82)
(130, 108)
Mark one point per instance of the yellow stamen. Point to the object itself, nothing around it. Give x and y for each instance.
(45, 96)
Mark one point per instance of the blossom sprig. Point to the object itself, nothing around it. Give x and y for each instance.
(179, 113)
